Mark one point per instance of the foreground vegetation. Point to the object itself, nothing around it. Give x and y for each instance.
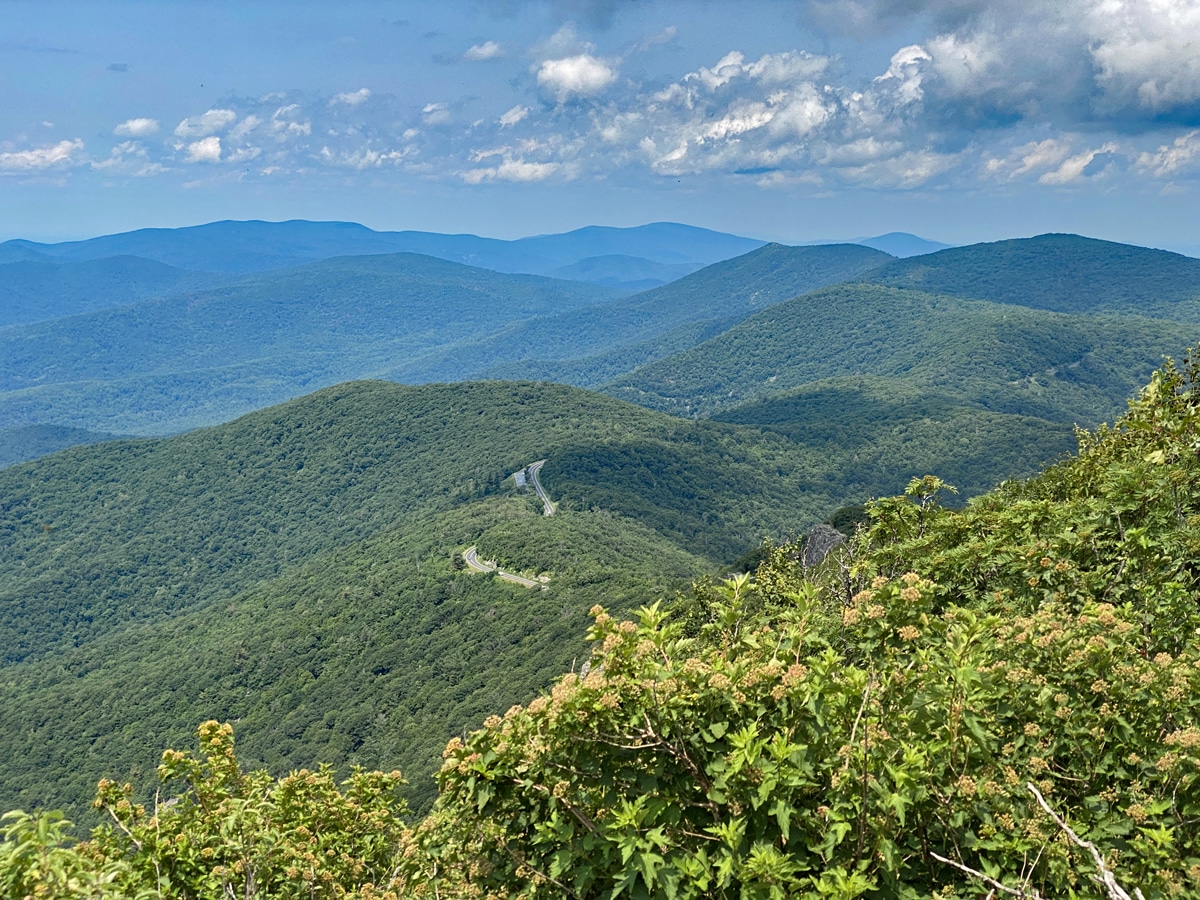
(898, 722)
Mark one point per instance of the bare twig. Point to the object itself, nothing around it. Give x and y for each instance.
(1106, 877)
(990, 882)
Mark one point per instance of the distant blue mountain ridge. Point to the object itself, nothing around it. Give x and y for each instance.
(254, 246)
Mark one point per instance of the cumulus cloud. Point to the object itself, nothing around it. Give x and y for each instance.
(517, 114)
(485, 51)
(206, 150)
(205, 124)
(39, 158)
(289, 122)
(353, 98)
(1172, 159)
(1073, 168)
(1022, 93)
(575, 76)
(1131, 64)
(1055, 161)
(513, 170)
(362, 158)
(137, 128)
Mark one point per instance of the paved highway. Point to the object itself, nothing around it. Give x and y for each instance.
(471, 558)
(534, 468)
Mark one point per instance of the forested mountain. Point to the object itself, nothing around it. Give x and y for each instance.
(192, 359)
(1065, 368)
(902, 244)
(309, 557)
(1060, 272)
(629, 273)
(306, 553)
(25, 442)
(204, 357)
(590, 345)
(254, 246)
(36, 291)
(997, 698)
(885, 419)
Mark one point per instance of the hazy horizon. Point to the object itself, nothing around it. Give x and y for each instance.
(792, 122)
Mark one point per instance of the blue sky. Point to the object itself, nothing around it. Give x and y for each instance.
(791, 120)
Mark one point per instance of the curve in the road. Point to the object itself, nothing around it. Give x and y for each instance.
(471, 558)
(534, 468)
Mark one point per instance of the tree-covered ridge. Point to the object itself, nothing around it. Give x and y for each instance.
(904, 720)
(25, 442)
(304, 554)
(371, 654)
(301, 329)
(32, 291)
(901, 427)
(1071, 368)
(1058, 272)
(584, 345)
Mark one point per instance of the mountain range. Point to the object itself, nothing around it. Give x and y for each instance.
(307, 544)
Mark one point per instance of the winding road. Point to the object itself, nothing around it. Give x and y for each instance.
(534, 468)
(471, 554)
(471, 558)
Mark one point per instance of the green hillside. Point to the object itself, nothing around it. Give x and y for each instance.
(588, 346)
(1000, 699)
(99, 537)
(37, 291)
(296, 330)
(629, 273)
(31, 441)
(304, 558)
(1064, 368)
(351, 503)
(374, 653)
(897, 428)
(1059, 272)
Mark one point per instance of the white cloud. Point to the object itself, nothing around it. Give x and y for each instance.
(663, 37)
(206, 150)
(40, 158)
(1147, 51)
(785, 68)
(353, 98)
(905, 73)
(1054, 158)
(136, 128)
(788, 67)
(513, 170)
(363, 158)
(583, 75)
(564, 42)
(486, 50)
(730, 66)
(244, 128)
(1171, 159)
(1072, 169)
(436, 114)
(206, 123)
(1039, 155)
(244, 154)
(285, 123)
(517, 114)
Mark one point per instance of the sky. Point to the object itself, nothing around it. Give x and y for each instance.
(789, 120)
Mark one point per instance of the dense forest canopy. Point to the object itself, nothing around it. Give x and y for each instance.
(957, 701)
